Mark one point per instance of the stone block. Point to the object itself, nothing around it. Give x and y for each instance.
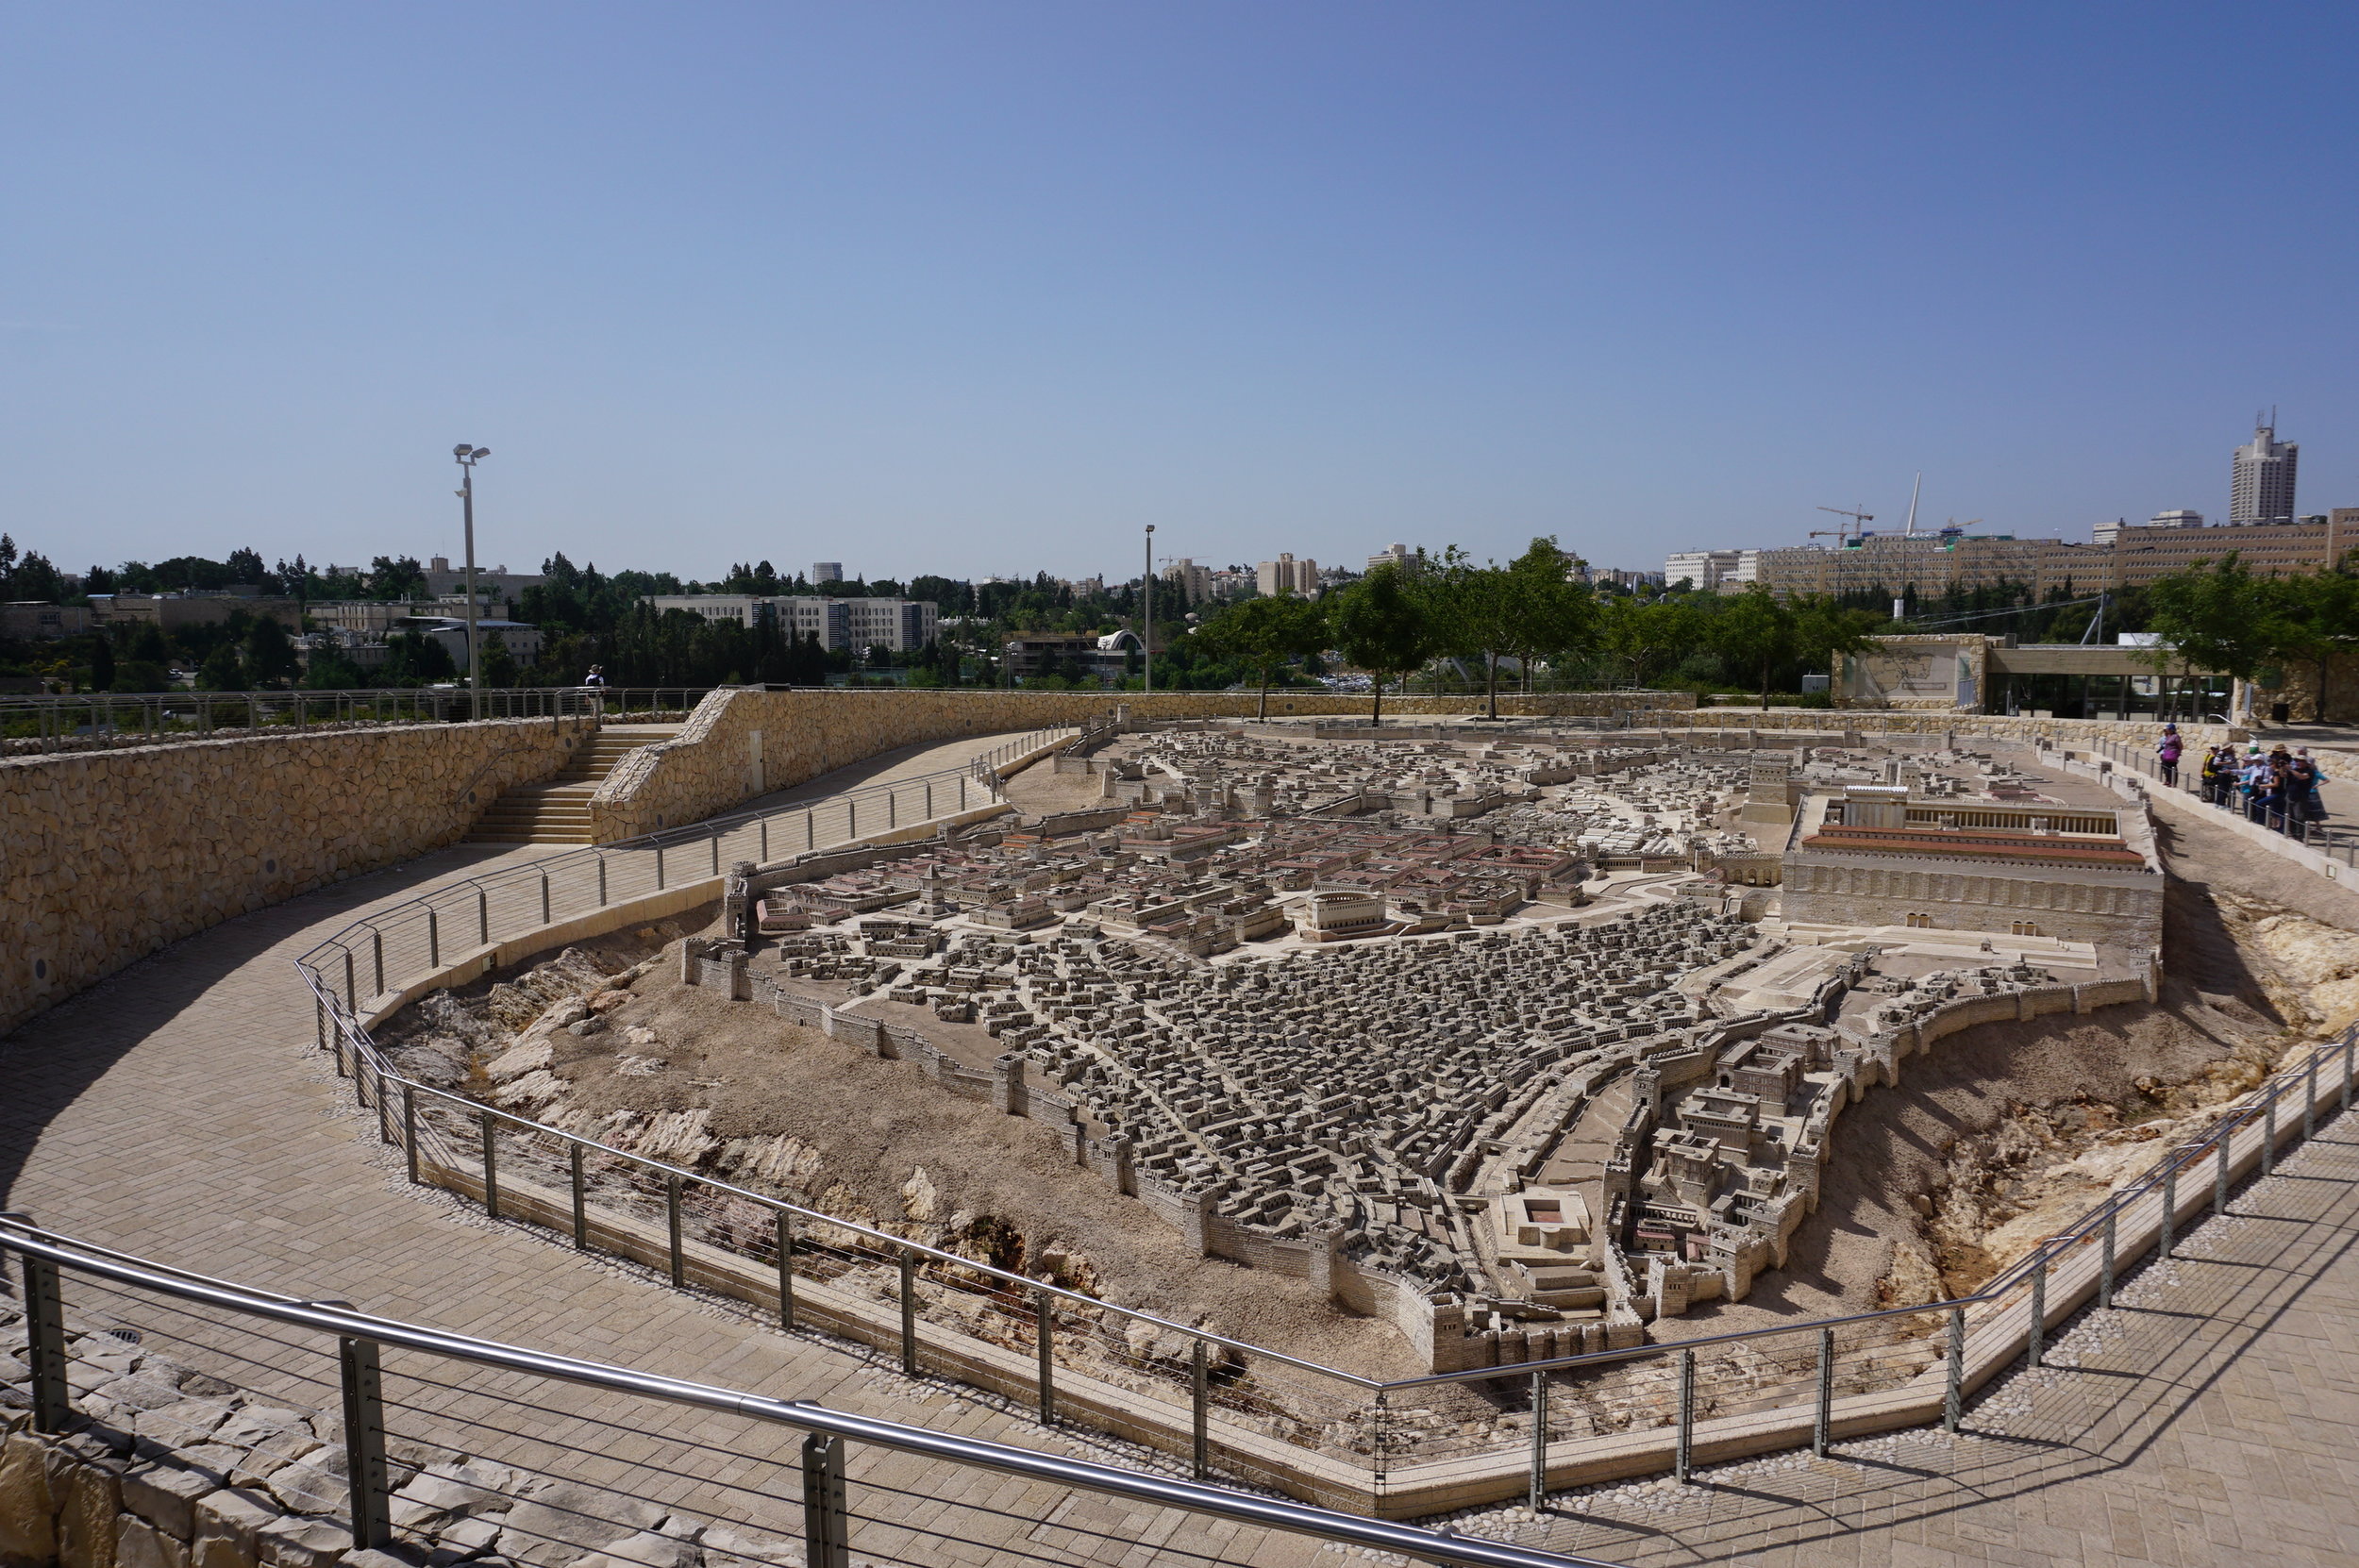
(167, 1495)
(141, 1545)
(28, 1531)
(291, 1541)
(228, 1526)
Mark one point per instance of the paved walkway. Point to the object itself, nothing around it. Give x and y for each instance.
(179, 1110)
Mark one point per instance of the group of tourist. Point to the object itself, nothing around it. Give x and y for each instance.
(2276, 788)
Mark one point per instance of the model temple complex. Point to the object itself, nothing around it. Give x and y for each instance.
(1520, 1042)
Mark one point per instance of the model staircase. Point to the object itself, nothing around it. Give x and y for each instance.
(557, 809)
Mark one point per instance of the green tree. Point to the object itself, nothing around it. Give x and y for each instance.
(1825, 630)
(2320, 620)
(2217, 616)
(1385, 626)
(499, 665)
(1548, 614)
(1639, 640)
(269, 657)
(1265, 634)
(1756, 632)
(221, 671)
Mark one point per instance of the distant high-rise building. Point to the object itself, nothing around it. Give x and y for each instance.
(1193, 583)
(2263, 490)
(1288, 575)
(1394, 555)
(825, 571)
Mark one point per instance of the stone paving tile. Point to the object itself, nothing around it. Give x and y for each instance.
(179, 1109)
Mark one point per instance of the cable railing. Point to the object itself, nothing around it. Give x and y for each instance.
(706, 1458)
(1230, 1406)
(131, 718)
(2225, 793)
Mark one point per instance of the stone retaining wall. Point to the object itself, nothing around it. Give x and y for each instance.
(742, 743)
(106, 855)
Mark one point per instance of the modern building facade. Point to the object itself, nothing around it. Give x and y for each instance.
(498, 581)
(901, 626)
(1288, 575)
(1713, 571)
(2261, 487)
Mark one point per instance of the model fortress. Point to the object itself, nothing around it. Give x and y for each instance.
(1519, 1076)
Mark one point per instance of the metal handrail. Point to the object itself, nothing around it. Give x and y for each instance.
(31, 1240)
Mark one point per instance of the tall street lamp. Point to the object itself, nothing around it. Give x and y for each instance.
(1147, 618)
(468, 455)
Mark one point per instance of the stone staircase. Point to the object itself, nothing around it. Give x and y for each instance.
(558, 811)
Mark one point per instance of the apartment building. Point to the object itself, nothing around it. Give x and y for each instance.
(1288, 575)
(902, 626)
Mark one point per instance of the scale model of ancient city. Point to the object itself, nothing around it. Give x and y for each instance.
(1519, 1041)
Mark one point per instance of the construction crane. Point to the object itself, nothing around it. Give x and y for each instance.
(1843, 534)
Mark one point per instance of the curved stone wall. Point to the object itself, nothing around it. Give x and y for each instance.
(106, 856)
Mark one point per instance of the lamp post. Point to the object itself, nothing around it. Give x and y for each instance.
(468, 455)
(1147, 618)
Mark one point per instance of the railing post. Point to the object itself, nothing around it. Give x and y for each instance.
(409, 1129)
(716, 852)
(1683, 1458)
(908, 1312)
(1823, 1418)
(1044, 1343)
(671, 1223)
(581, 1199)
(659, 868)
(929, 800)
(491, 1169)
(786, 1269)
(377, 947)
(433, 939)
(602, 881)
(2309, 1096)
(2105, 1262)
(365, 1444)
(827, 1521)
(2170, 1207)
(2346, 1064)
(44, 1341)
(1953, 1396)
(893, 808)
(810, 830)
(2220, 1177)
(352, 989)
(851, 820)
(2269, 1135)
(1200, 1441)
(483, 917)
(1539, 1488)
(765, 825)
(2037, 1345)
(545, 898)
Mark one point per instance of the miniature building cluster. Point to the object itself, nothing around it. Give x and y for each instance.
(1424, 1021)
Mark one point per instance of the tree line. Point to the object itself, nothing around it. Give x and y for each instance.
(1532, 614)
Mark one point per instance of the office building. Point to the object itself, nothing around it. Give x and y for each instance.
(1395, 555)
(2262, 489)
(901, 626)
(1713, 571)
(1288, 575)
(825, 571)
(495, 582)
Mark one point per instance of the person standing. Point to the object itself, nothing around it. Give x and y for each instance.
(2166, 752)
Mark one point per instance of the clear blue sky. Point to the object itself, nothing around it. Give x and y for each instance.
(981, 287)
